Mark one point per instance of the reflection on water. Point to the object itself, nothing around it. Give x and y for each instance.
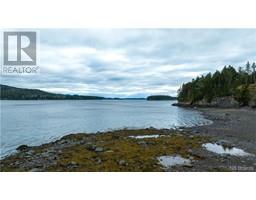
(37, 122)
(144, 136)
(219, 149)
(169, 161)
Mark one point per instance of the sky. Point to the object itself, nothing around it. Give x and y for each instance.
(132, 62)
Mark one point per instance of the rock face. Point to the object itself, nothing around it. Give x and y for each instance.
(225, 102)
(218, 102)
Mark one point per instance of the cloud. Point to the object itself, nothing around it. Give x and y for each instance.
(133, 62)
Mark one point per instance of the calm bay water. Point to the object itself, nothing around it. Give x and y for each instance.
(37, 122)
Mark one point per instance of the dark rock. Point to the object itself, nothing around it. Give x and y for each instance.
(91, 147)
(116, 137)
(198, 153)
(194, 131)
(22, 147)
(225, 143)
(72, 165)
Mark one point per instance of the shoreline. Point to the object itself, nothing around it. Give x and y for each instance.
(120, 150)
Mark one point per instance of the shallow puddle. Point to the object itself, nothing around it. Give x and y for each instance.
(219, 149)
(169, 161)
(144, 136)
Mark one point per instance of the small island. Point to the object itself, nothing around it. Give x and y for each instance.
(160, 98)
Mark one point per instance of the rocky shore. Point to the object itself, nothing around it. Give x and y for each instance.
(229, 144)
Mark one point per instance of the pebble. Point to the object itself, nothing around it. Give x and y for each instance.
(35, 170)
(99, 149)
(122, 162)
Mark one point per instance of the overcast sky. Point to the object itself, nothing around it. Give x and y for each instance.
(132, 62)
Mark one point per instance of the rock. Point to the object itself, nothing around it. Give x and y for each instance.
(30, 152)
(72, 164)
(35, 170)
(122, 162)
(183, 104)
(189, 165)
(99, 161)
(17, 163)
(45, 154)
(142, 143)
(22, 147)
(225, 143)
(195, 131)
(99, 149)
(191, 158)
(91, 147)
(115, 137)
(190, 151)
(198, 153)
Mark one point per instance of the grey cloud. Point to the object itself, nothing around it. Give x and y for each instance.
(133, 62)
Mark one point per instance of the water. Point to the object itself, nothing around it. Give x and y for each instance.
(170, 161)
(37, 122)
(219, 149)
(145, 136)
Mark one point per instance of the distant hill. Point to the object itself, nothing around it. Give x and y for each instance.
(160, 98)
(14, 93)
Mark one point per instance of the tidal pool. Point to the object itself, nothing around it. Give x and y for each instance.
(144, 136)
(170, 161)
(219, 149)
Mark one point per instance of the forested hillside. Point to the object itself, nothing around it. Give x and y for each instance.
(13, 93)
(229, 82)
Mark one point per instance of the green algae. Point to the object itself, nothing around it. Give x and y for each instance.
(119, 152)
